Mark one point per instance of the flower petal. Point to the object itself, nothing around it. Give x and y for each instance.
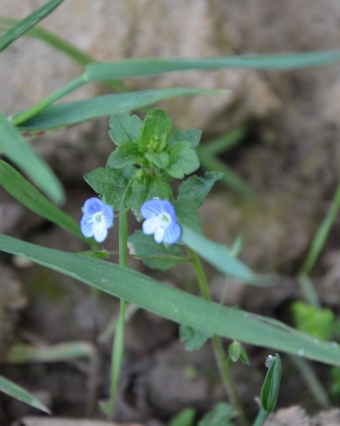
(169, 208)
(86, 226)
(151, 208)
(159, 234)
(151, 225)
(172, 233)
(92, 205)
(108, 215)
(99, 232)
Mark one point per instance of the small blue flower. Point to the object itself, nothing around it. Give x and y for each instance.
(161, 221)
(97, 218)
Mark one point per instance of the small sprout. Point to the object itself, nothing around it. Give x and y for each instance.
(161, 221)
(97, 219)
(237, 352)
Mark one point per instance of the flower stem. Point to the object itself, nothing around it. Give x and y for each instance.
(220, 356)
(23, 116)
(118, 342)
(261, 418)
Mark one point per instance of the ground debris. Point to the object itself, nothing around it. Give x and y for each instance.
(297, 416)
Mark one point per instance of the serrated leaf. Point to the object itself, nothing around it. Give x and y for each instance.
(160, 188)
(159, 159)
(192, 136)
(191, 195)
(192, 338)
(145, 245)
(124, 155)
(155, 131)
(194, 189)
(138, 195)
(21, 394)
(110, 183)
(124, 128)
(188, 217)
(146, 189)
(220, 415)
(183, 160)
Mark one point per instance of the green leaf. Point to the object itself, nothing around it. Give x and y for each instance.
(146, 188)
(102, 71)
(218, 256)
(25, 353)
(155, 131)
(125, 155)
(192, 338)
(220, 415)
(159, 159)
(175, 304)
(185, 417)
(192, 136)
(27, 23)
(96, 254)
(68, 113)
(22, 155)
(160, 188)
(194, 189)
(29, 196)
(138, 194)
(314, 321)
(271, 385)
(21, 394)
(110, 183)
(124, 128)
(183, 160)
(166, 256)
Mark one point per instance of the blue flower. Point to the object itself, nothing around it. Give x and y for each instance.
(161, 221)
(97, 218)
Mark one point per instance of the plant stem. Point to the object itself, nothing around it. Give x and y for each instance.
(261, 418)
(220, 356)
(118, 342)
(23, 116)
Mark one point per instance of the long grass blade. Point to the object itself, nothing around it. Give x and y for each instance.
(69, 113)
(175, 304)
(27, 23)
(21, 154)
(21, 394)
(16, 185)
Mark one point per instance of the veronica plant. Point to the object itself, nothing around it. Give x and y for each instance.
(138, 177)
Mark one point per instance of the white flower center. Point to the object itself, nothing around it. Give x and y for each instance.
(164, 219)
(98, 217)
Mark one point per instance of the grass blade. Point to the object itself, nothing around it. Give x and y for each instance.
(175, 304)
(21, 154)
(220, 257)
(137, 67)
(29, 196)
(27, 23)
(21, 394)
(68, 113)
(58, 43)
